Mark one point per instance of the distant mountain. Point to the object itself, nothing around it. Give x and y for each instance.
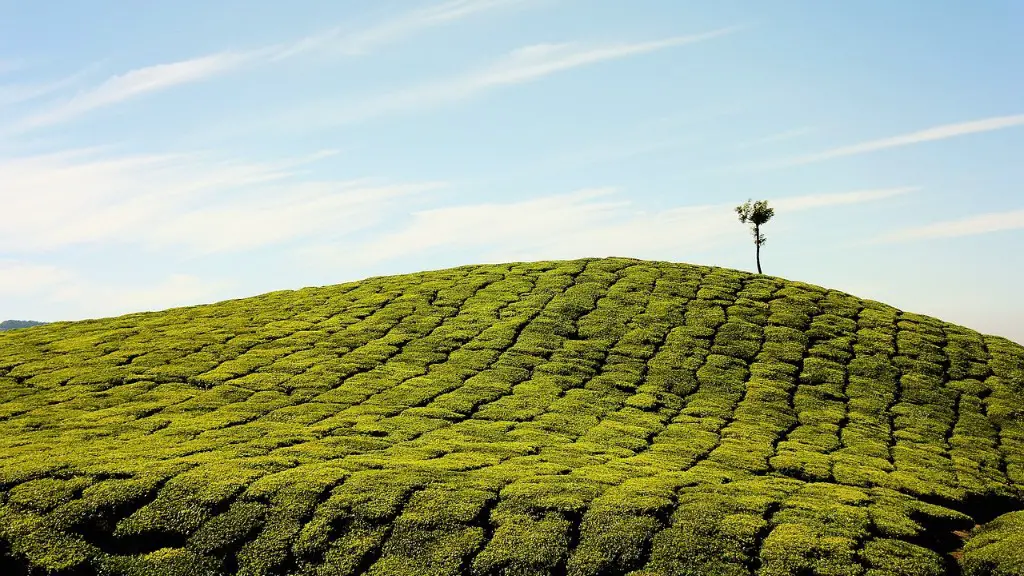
(12, 324)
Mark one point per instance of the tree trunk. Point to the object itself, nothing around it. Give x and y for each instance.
(757, 242)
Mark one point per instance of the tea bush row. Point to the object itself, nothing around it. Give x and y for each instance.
(596, 416)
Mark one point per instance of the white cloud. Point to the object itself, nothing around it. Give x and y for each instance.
(18, 93)
(23, 279)
(303, 210)
(523, 65)
(192, 201)
(8, 65)
(610, 152)
(583, 223)
(486, 223)
(75, 296)
(84, 298)
(340, 41)
(136, 83)
(838, 198)
(931, 134)
(778, 137)
(159, 77)
(533, 62)
(970, 226)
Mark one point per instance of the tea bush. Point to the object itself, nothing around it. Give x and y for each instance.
(593, 417)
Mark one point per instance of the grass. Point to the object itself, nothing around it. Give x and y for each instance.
(594, 417)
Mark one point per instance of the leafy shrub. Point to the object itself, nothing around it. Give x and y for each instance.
(590, 417)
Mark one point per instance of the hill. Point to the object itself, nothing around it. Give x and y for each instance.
(590, 417)
(13, 324)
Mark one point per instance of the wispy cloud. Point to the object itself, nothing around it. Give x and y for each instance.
(158, 77)
(606, 152)
(139, 82)
(533, 62)
(78, 296)
(196, 201)
(8, 65)
(296, 211)
(807, 202)
(18, 93)
(87, 298)
(523, 65)
(482, 224)
(650, 137)
(970, 226)
(777, 137)
(341, 40)
(19, 278)
(928, 135)
(590, 222)
(181, 206)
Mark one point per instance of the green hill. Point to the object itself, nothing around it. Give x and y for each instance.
(590, 417)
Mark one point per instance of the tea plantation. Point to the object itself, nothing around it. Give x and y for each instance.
(589, 417)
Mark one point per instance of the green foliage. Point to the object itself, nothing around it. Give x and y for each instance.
(997, 549)
(16, 324)
(589, 417)
(757, 214)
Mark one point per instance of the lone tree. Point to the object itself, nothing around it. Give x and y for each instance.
(757, 214)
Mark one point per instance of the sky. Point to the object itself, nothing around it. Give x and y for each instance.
(160, 154)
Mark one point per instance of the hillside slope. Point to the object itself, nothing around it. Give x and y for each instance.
(591, 417)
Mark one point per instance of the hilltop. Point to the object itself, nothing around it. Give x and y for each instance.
(589, 417)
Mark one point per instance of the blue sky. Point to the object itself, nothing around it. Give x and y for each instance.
(168, 153)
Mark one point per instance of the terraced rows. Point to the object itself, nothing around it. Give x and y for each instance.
(590, 417)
